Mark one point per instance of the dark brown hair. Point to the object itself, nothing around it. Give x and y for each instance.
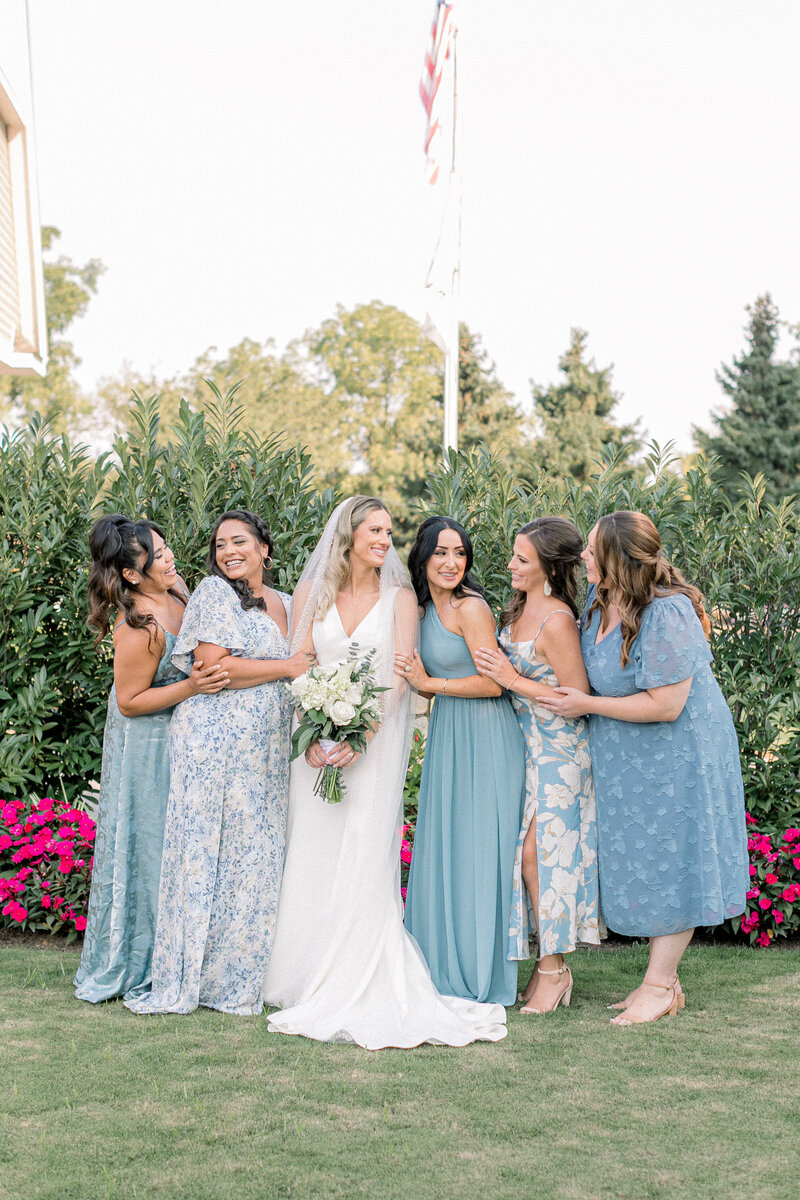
(633, 571)
(558, 545)
(117, 544)
(424, 545)
(260, 531)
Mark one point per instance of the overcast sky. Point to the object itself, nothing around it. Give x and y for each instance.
(242, 168)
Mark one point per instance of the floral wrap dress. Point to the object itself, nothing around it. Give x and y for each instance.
(559, 793)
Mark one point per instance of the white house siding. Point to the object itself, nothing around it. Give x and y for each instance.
(23, 331)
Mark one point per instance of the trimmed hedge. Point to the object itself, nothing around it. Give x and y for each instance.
(744, 555)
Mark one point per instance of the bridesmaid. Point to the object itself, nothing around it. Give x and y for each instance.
(670, 801)
(133, 576)
(555, 870)
(229, 759)
(473, 780)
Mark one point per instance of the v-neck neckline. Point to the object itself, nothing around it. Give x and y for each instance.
(350, 636)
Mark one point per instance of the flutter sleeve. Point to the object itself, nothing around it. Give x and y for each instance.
(213, 614)
(671, 645)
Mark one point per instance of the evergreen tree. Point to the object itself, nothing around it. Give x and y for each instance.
(761, 430)
(575, 417)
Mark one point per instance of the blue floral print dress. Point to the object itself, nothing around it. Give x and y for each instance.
(226, 821)
(559, 794)
(670, 802)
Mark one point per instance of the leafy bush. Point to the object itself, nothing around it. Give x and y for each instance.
(53, 685)
(742, 553)
(46, 862)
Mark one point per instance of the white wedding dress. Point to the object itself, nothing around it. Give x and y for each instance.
(342, 966)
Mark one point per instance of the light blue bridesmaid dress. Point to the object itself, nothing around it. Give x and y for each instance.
(670, 803)
(560, 796)
(134, 786)
(470, 810)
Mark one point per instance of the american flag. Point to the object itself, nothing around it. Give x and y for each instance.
(438, 102)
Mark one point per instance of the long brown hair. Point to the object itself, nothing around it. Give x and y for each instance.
(633, 571)
(558, 545)
(117, 544)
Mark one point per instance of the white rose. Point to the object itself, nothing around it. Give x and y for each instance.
(354, 694)
(340, 712)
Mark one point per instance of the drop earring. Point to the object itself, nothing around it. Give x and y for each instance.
(548, 591)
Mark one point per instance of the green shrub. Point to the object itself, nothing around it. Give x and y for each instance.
(53, 684)
(743, 554)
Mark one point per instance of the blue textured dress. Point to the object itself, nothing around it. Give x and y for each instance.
(670, 802)
(225, 828)
(560, 796)
(471, 801)
(134, 786)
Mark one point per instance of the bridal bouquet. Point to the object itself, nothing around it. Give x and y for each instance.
(340, 704)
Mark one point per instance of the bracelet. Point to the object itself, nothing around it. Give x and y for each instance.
(444, 685)
(513, 681)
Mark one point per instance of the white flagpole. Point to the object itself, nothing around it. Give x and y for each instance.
(450, 438)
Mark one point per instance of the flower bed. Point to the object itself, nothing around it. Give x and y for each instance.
(46, 861)
(773, 902)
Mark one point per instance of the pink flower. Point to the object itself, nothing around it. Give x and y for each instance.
(770, 878)
(5, 841)
(791, 835)
(777, 917)
(402, 893)
(789, 893)
(15, 910)
(753, 894)
(753, 870)
(58, 901)
(763, 939)
(796, 862)
(65, 865)
(46, 901)
(80, 922)
(750, 820)
(773, 857)
(10, 810)
(764, 902)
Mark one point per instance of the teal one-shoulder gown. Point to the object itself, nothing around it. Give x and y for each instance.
(472, 796)
(134, 788)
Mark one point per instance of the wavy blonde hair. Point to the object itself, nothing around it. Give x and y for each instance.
(633, 571)
(355, 511)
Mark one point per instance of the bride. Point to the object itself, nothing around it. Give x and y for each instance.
(342, 965)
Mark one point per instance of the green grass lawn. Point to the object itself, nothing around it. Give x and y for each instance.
(100, 1103)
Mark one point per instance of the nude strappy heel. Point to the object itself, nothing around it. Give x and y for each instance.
(563, 997)
(672, 1007)
(621, 1005)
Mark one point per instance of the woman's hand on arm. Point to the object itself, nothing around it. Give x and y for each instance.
(137, 653)
(642, 708)
(250, 672)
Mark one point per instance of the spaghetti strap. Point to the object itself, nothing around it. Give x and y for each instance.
(547, 618)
